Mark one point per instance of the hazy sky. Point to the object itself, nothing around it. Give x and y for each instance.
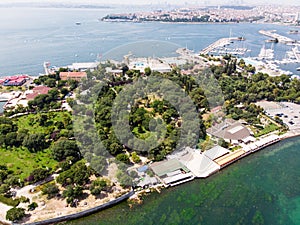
(135, 2)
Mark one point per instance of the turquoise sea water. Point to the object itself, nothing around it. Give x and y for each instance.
(263, 188)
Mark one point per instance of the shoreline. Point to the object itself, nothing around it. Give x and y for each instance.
(84, 213)
(76, 215)
(204, 23)
(135, 195)
(158, 188)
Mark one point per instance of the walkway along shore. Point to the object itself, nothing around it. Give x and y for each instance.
(83, 213)
(111, 203)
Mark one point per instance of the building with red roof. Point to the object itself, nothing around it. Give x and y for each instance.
(37, 91)
(16, 80)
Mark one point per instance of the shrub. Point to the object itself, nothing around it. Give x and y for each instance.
(15, 214)
(9, 201)
(51, 190)
(32, 206)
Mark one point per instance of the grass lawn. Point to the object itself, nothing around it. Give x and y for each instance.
(30, 123)
(22, 162)
(268, 129)
(141, 135)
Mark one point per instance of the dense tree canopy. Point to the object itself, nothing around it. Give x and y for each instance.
(65, 148)
(78, 174)
(35, 142)
(38, 174)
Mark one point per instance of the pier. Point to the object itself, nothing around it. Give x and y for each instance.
(220, 43)
(274, 35)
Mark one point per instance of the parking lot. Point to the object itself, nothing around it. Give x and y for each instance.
(287, 111)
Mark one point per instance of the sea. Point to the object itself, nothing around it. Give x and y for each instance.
(263, 188)
(31, 36)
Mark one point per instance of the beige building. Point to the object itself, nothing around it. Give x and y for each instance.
(72, 75)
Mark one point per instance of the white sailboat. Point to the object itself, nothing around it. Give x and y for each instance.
(266, 53)
(296, 53)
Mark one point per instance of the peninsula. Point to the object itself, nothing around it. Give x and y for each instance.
(48, 174)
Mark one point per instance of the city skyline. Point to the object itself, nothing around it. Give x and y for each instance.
(171, 2)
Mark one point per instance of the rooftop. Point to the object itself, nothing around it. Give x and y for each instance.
(83, 66)
(72, 75)
(230, 157)
(166, 167)
(230, 130)
(216, 152)
(37, 91)
(199, 164)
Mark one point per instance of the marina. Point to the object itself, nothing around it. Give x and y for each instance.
(221, 44)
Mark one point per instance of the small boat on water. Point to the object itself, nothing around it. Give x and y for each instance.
(78, 23)
(298, 69)
(272, 40)
(293, 32)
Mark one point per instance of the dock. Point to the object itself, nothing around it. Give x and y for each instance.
(274, 35)
(220, 43)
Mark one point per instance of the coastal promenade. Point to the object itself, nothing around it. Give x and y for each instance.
(84, 212)
(76, 213)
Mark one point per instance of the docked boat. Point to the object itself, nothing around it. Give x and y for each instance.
(296, 52)
(266, 53)
(272, 40)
